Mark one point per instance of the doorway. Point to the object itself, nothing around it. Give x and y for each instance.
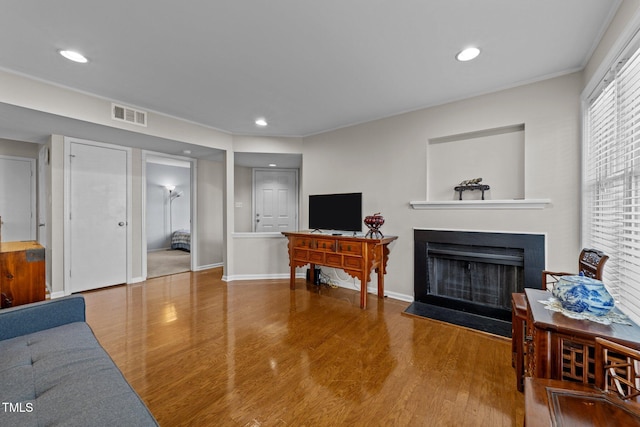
(168, 215)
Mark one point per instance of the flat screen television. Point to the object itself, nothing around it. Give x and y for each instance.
(337, 212)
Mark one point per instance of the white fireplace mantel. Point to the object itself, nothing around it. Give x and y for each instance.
(482, 204)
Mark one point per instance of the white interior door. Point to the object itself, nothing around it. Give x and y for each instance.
(275, 200)
(97, 216)
(17, 198)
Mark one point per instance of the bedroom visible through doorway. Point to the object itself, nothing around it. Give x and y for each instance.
(168, 215)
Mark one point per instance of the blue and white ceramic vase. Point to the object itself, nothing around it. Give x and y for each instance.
(582, 294)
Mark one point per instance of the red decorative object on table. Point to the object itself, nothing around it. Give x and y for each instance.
(374, 222)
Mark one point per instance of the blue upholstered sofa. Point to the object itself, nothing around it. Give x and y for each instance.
(53, 371)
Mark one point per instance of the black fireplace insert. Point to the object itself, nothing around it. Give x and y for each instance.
(476, 272)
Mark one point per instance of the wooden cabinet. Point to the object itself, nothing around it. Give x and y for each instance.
(22, 273)
(561, 348)
(358, 256)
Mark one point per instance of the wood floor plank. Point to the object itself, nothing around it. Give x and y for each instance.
(200, 351)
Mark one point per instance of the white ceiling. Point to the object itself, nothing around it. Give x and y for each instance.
(306, 66)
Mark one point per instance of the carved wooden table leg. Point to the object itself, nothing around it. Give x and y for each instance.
(292, 278)
(363, 287)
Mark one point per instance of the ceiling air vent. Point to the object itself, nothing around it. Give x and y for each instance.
(129, 115)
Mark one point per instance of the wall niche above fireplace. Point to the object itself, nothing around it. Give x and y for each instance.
(496, 155)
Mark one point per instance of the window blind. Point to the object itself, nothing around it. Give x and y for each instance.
(611, 183)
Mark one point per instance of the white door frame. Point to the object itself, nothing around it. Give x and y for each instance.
(44, 190)
(193, 208)
(44, 194)
(67, 206)
(32, 186)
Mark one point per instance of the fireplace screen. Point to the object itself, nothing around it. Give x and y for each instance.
(479, 278)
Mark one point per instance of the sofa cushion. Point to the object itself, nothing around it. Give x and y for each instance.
(62, 376)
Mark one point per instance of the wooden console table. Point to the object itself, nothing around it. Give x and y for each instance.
(22, 273)
(357, 256)
(561, 348)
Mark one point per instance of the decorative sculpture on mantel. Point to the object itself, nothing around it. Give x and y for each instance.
(471, 184)
(471, 181)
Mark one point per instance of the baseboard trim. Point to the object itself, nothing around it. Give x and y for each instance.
(58, 294)
(243, 277)
(208, 266)
(394, 295)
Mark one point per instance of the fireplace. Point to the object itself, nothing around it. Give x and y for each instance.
(476, 272)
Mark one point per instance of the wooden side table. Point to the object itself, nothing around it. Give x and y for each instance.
(562, 348)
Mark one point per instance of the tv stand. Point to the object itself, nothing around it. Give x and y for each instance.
(357, 256)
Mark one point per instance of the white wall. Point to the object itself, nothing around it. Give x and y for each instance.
(625, 15)
(387, 161)
(210, 213)
(243, 199)
(264, 144)
(260, 255)
(19, 149)
(136, 221)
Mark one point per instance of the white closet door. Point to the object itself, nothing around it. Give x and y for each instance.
(97, 216)
(17, 198)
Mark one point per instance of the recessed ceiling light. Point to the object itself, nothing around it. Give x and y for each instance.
(468, 54)
(74, 56)
(272, 165)
(261, 122)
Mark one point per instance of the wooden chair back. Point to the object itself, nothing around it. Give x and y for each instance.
(590, 263)
(617, 369)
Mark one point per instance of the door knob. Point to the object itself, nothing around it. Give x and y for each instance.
(121, 224)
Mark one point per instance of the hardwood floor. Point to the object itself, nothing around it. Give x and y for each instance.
(203, 352)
